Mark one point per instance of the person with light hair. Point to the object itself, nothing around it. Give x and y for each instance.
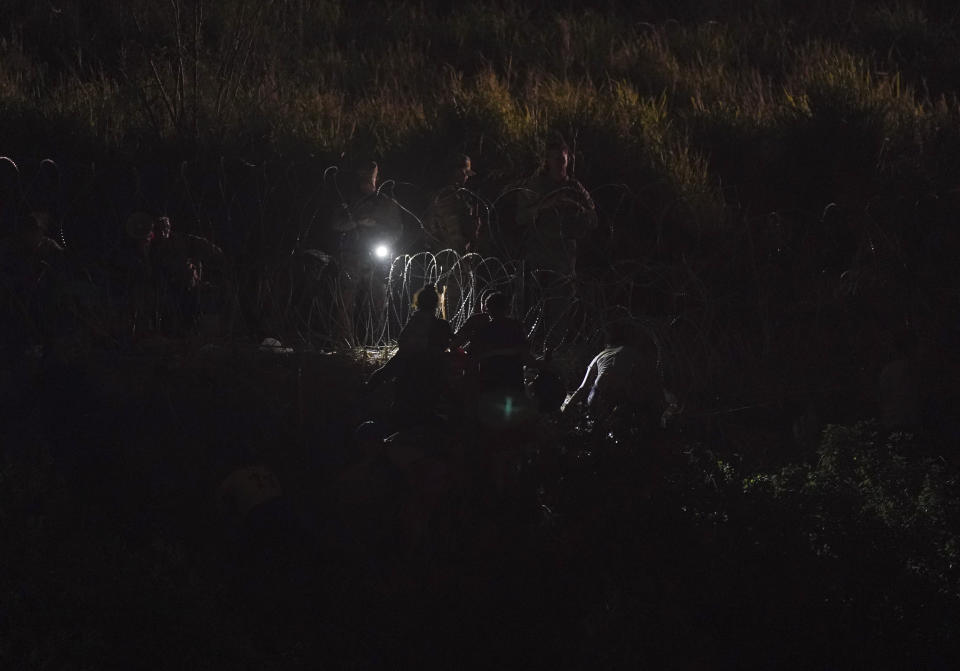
(419, 365)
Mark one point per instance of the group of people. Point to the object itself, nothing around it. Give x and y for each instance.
(480, 372)
(553, 211)
(155, 275)
(160, 273)
(152, 276)
(487, 357)
(550, 213)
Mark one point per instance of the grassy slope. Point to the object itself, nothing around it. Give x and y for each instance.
(727, 132)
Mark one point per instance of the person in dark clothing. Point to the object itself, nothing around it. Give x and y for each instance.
(370, 228)
(178, 261)
(27, 258)
(557, 212)
(452, 220)
(497, 344)
(498, 353)
(419, 365)
(30, 248)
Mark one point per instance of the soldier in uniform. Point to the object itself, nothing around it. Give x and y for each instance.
(370, 228)
(452, 220)
(556, 211)
(178, 264)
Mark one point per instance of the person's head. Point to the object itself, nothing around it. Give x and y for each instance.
(162, 228)
(367, 175)
(427, 299)
(496, 305)
(557, 159)
(461, 169)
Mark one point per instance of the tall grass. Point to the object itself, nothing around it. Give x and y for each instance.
(715, 139)
(335, 76)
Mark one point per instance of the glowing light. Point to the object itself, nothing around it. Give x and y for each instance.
(508, 407)
(381, 251)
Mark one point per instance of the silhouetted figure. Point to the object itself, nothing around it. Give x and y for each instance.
(27, 258)
(29, 251)
(370, 228)
(452, 220)
(497, 344)
(178, 262)
(419, 364)
(556, 212)
(498, 352)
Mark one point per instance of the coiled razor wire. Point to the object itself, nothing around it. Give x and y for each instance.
(305, 296)
(556, 309)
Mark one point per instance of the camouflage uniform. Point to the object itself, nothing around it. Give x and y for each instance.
(370, 221)
(451, 221)
(554, 215)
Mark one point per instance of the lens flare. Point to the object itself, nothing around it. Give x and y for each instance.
(381, 251)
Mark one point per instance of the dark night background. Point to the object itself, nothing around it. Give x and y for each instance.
(777, 184)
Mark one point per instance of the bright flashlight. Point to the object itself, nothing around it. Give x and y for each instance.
(381, 251)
